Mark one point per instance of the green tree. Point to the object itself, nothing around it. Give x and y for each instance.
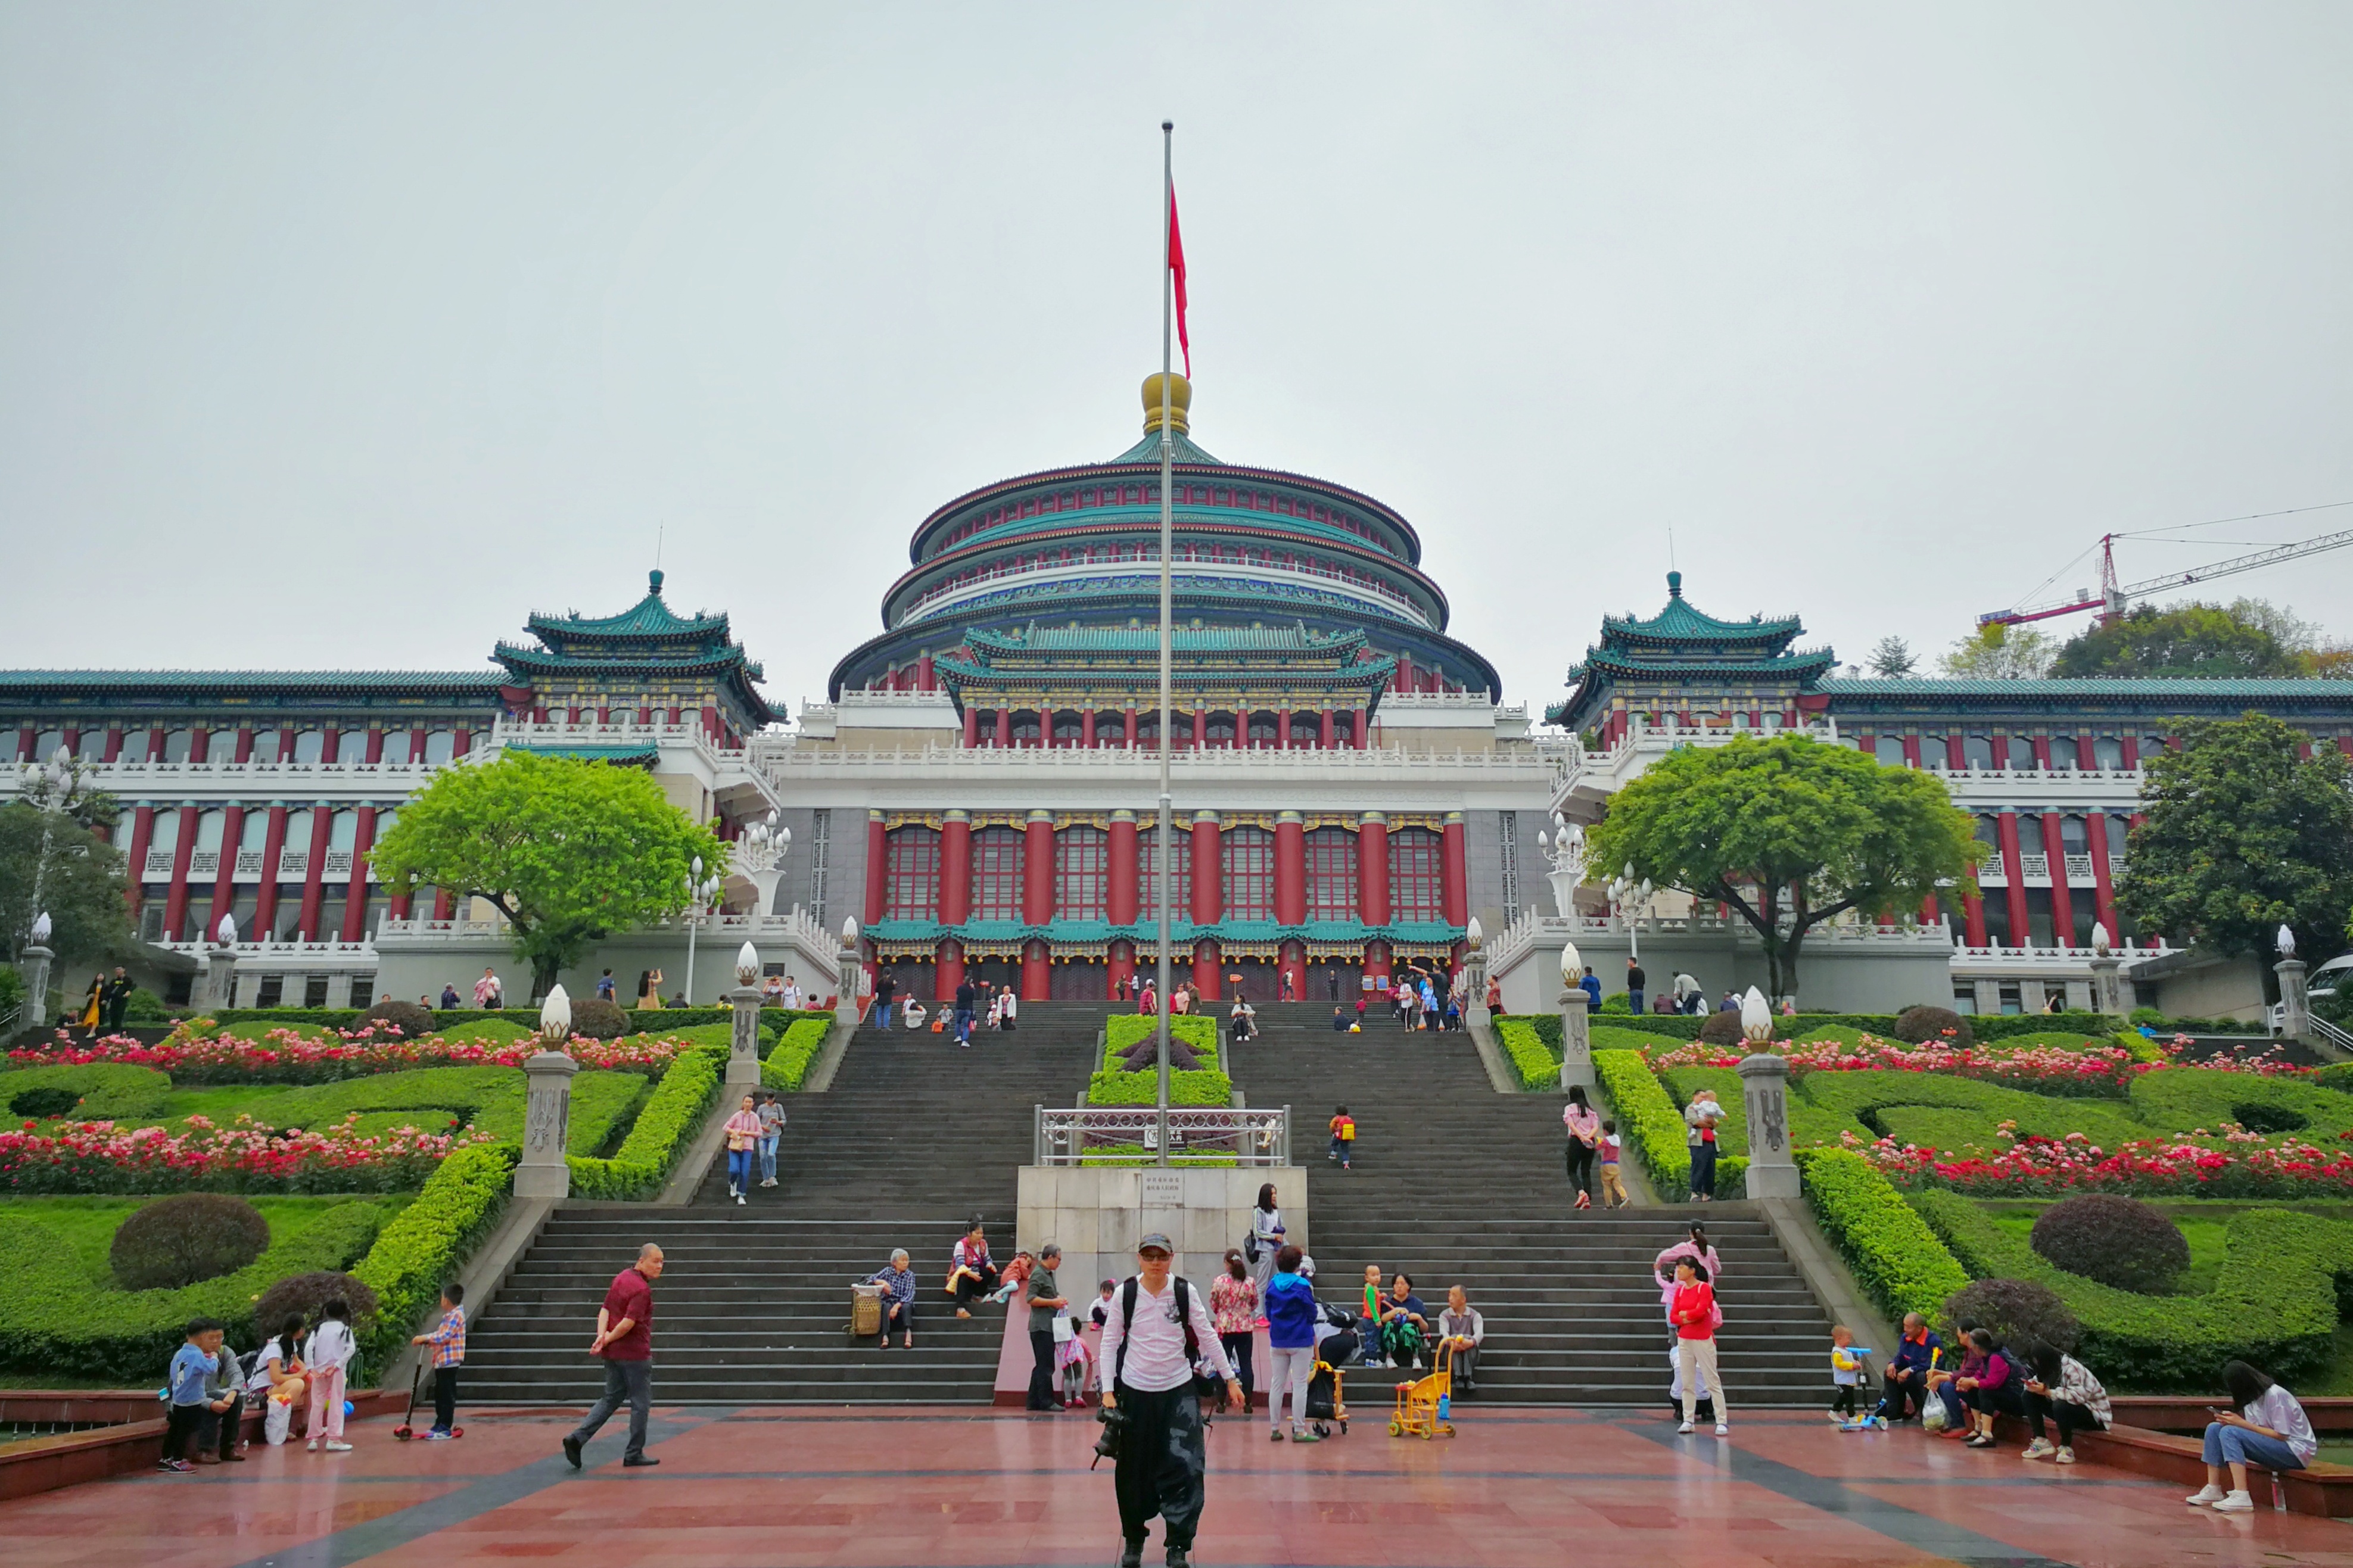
(49, 846)
(2000, 653)
(1790, 832)
(2243, 836)
(570, 851)
(2244, 639)
(1892, 657)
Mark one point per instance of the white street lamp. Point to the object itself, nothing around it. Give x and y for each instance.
(700, 891)
(556, 1018)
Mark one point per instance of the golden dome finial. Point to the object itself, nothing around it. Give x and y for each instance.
(1180, 403)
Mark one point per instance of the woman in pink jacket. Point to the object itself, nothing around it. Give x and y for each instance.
(742, 1142)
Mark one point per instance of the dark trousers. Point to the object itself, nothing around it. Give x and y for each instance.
(1041, 1376)
(1634, 1000)
(1703, 1176)
(629, 1383)
(971, 1287)
(1901, 1400)
(183, 1422)
(445, 1397)
(899, 1315)
(219, 1429)
(1162, 1462)
(1842, 1399)
(2007, 1400)
(1580, 1165)
(1241, 1354)
(2070, 1418)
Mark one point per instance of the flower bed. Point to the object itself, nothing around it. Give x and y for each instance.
(287, 1056)
(2233, 1163)
(100, 1157)
(2043, 1063)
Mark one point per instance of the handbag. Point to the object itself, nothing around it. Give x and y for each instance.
(1250, 1248)
(1064, 1330)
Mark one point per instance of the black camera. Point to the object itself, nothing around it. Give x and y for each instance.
(1114, 1434)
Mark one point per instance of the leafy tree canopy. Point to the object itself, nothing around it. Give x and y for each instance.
(1790, 832)
(569, 850)
(80, 880)
(2243, 835)
(2001, 653)
(1892, 657)
(2185, 640)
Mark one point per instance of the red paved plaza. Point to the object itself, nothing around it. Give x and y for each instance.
(765, 1487)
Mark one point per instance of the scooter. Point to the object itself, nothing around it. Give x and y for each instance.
(407, 1430)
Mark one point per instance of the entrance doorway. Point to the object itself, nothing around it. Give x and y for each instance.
(1078, 980)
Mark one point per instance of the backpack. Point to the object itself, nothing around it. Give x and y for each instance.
(1127, 1293)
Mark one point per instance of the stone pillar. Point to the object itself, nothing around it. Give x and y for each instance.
(1454, 878)
(543, 1172)
(856, 982)
(220, 977)
(1575, 1042)
(2296, 1013)
(2108, 985)
(878, 868)
(743, 1045)
(36, 985)
(1764, 1094)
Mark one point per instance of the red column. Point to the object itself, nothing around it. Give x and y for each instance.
(1282, 728)
(1121, 966)
(1087, 730)
(1289, 868)
(2063, 912)
(1200, 728)
(1912, 751)
(1373, 868)
(445, 907)
(948, 971)
(355, 905)
(1209, 872)
(1129, 733)
(375, 745)
(1005, 727)
(1364, 728)
(1037, 873)
(175, 902)
(2130, 745)
(1037, 972)
(244, 743)
(1454, 881)
(878, 868)
(314, 879)
(1326, 718)
(925, 679)
(955, 872)
(1205, 968)
(142, 833)
(971, 727)
(2103, 888)
(1956, 754)
(200, 744)
(265, 904)
(1120, 873)
(1973, 916)
(113, 744)
(25, 738)
(2006, 830)
(224, 882)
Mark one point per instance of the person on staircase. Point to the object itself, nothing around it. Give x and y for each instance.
(1404, 1324)
(885, 987)
(970, 1273)
(1584, 1124)
(1265, 1238)
(1463, 1331)
(898, 1282)
(1234, 1308)
(742, 1148)
(1046, 1300)
(1009, 1008)
(961, 1026)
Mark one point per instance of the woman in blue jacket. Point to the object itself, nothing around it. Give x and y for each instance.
(1290, 1307)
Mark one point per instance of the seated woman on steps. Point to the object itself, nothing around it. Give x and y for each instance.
(970, 1273)
(898, 1282)
(2268, 1429)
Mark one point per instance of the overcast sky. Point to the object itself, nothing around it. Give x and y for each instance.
(345, 335)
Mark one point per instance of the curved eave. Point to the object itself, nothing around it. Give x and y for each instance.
(1372, 675)
(1227, 472)
(734, 670)
(1409, 577)
(1700, 624)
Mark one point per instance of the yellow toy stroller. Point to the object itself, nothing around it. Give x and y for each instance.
(1422, 1406)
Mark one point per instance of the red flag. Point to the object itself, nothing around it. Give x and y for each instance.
(1176, 269)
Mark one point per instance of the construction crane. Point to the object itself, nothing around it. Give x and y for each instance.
(2111, 599)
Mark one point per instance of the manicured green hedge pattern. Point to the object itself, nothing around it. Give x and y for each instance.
(422, 1248)
(111, 1092)
(672, 1115)
(787, 1066)
(1537, 1067)
(655, 1020)
(1199, 1086)
(1894, 1254)
(1123, 1032)
(55, 1319)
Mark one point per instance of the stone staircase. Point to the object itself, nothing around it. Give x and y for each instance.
(1456, 1183)
(915, 1137)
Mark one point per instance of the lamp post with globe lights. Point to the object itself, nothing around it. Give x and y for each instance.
(1575, 1032)
(2295, 1007)
(743, 1041)
(1765, 1100)
(700, 891)
(37, 955)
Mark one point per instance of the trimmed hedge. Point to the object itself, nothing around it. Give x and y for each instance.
(1894, 1253)
(104, 1091)
(1123, 1032)
(2274, 1302)
(672, 1115)
(1866, 1097)
(56, 1320)
(420, 1250)
(1651, 1126)
(788, 1064)
(1545, 1025)
(1202, 1087)
(186, 1240)
(664, 1020)
(492, 1099)
(1987, 1028)
(1538, 1069)
(2181, 1098)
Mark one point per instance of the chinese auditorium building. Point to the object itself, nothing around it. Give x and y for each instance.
(978, 791)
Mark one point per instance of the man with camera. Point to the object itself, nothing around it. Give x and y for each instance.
(1155, 1330)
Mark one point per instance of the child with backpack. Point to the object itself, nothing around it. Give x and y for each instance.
(1343, 1137)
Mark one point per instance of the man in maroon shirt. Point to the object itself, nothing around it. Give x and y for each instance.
(625, 1339)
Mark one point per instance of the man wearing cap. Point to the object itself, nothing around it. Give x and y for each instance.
(1155, 1329)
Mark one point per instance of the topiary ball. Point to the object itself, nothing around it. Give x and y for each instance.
(598, 1019)
(1924, 1025)
(1722, 1028)
(186, 1239)
(2016, 1310)
(306, 1293)
(41, 1104)
(413, 1021)
(2116, 1240)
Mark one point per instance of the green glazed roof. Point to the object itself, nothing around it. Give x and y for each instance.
(1294, 638)
(1148, 451)
(646, 754)
(1678, 623)
(648, 618)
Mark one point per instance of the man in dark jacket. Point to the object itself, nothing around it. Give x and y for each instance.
(114, 997)
(965, 997)
(1904, 1386)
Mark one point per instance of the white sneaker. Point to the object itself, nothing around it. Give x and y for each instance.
(1685, 1427)
(2205, 1496)
(2040, 1449)
(2064, 1457)
(731, 1191)
(315, 1448)
(1723, 1429)
(739, 1200)
(2237, 1503)
(334, 1446)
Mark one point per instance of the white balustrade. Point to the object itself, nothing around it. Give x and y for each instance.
(158, 867)
(293, 865)
(2079, 871)
(2034, 866)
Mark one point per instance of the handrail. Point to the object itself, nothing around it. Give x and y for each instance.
(1197, 1136)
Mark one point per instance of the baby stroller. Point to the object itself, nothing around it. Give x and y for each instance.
(1422, 1405)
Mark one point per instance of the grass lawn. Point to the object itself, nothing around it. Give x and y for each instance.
(87, 1225)
(2202, 1222)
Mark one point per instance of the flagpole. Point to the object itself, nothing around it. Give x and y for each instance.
(1165, 855)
